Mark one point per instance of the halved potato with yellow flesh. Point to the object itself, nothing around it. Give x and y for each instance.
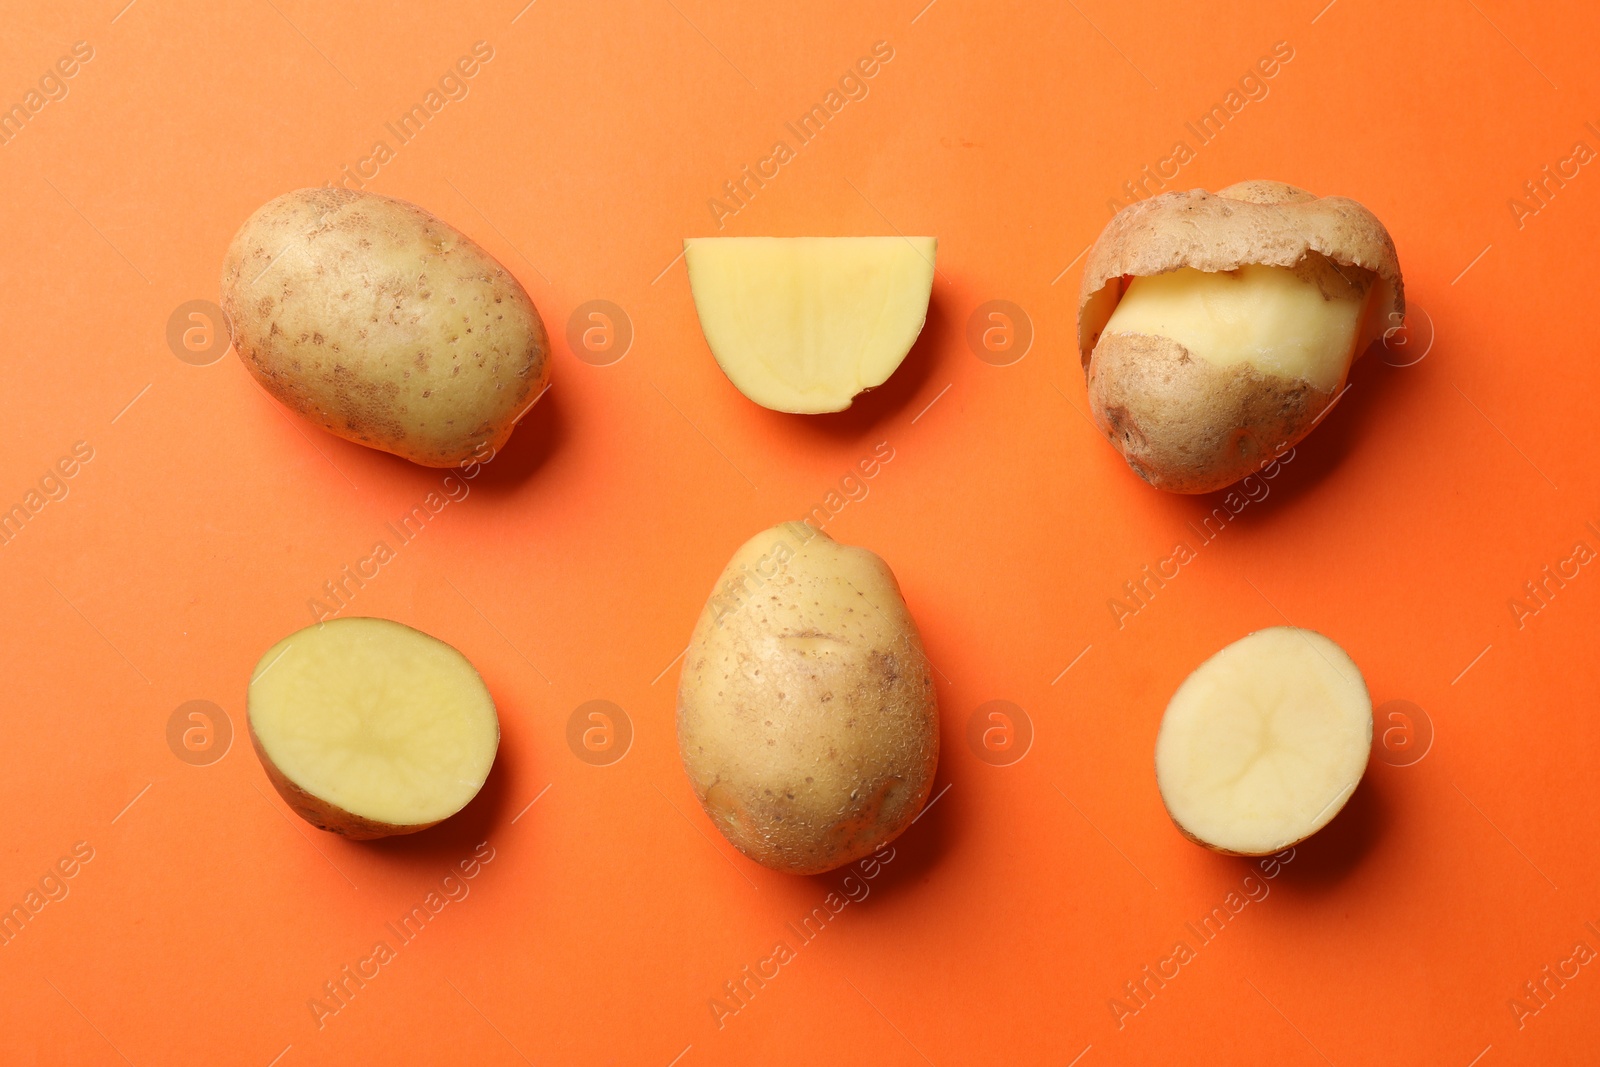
(1262, 745)
(368, 728)
(803, 324)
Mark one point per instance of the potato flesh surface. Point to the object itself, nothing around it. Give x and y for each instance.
(1270, 317)
(1265, 741)
(803, 324)
(381, 720)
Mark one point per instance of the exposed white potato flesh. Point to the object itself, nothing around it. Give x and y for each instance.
(804, 324)
(1262, 745)
(369, 728)
(1281, 320)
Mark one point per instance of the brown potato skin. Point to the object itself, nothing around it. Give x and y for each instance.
(807, 721)
(383, 324)
(323, 815)
(1186, 426)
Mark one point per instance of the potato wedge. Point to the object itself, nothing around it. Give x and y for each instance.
(804, 324)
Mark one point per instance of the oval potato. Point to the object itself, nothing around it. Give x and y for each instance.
(807, 719)
(384, 325)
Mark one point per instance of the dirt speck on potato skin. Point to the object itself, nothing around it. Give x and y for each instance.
(334, 295)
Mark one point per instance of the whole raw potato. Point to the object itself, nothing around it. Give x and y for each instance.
(383, 325)
(807, 720)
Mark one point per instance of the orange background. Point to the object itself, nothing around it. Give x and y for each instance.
(612, 913)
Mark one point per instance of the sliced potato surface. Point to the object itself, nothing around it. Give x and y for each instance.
(369, 728)
(1262, 745)
(803, 324)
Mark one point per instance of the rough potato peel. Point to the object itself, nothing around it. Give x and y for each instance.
(807, 720)
(383, 324)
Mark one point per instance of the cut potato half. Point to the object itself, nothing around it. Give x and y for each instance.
(1262, 745)
(804, 324)
(368, 728)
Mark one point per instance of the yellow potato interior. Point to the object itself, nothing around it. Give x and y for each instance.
(1278, 319)
(375, 718)
(803, 324)
(1265, 741)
